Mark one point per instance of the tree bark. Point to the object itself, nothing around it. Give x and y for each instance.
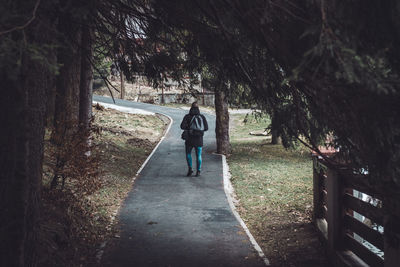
(222, 123)
(86, 79)
(68, 81)
(66, 115)
(275, 138)
(22, 117)
(51, 93)
(122, 85)
(162, 94)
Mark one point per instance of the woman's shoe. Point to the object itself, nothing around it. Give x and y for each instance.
(190, 171)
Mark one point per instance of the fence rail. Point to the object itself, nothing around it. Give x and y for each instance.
(352, 221)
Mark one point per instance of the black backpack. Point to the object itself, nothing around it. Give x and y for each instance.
(196, 125)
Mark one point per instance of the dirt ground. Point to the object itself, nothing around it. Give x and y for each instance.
(289, 242)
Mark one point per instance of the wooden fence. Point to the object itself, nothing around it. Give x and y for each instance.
(353, 219)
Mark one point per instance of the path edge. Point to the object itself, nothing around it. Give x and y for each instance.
(228, 188)
(159, 143)
(100, 252)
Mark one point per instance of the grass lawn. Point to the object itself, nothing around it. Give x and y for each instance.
(274, 189)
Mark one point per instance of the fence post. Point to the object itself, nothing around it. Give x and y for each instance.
(391, 237)
(335, 212)
(317, 184)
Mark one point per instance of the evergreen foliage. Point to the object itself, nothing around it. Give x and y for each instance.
(320, 68)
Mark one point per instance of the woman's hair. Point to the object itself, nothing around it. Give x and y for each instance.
(195, 105)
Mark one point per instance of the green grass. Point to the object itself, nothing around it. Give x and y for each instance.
(273, 187)
(268, 177)
(244, 124)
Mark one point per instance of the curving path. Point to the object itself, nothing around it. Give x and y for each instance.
(169, 219)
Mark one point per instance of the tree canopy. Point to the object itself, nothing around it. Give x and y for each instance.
(322, 68)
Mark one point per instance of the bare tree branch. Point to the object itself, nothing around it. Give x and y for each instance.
(21, 27)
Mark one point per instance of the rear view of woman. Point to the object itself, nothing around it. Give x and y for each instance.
(195, 124)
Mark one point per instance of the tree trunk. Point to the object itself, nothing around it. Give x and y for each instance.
(66, 115)
(22, 117)
(51, 93)
(275, 139)
(162, 94)
(68, 82)
(222, 123)
(122, 85)
(86, 80)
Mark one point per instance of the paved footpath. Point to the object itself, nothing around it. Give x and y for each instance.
(169, 219)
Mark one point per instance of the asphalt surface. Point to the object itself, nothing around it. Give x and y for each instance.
(169, 219)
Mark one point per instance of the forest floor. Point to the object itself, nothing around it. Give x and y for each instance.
(273, 188)
(76, 223)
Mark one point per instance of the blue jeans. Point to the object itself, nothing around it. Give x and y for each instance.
(189, 156)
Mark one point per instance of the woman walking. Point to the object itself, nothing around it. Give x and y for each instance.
(195, 124)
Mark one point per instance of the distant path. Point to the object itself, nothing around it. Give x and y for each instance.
(169, 219)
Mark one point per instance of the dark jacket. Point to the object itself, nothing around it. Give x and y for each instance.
(193, 140)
